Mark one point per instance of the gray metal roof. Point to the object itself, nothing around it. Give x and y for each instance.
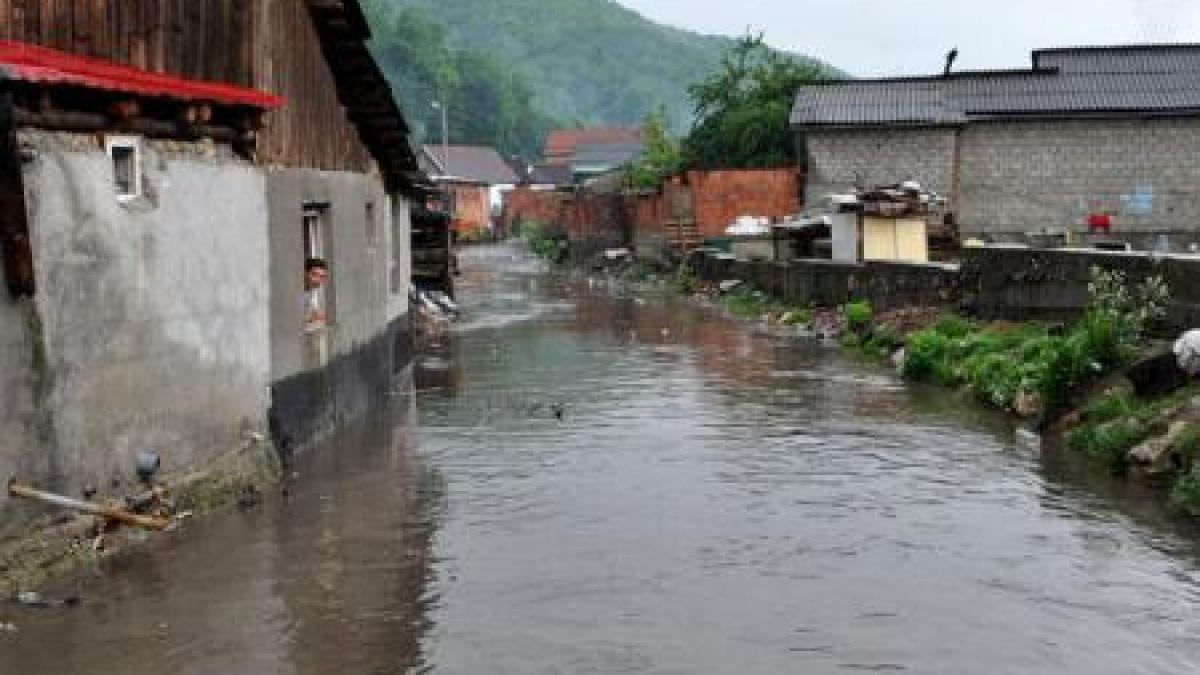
(614, 154)
(472, 163)
(1065, 82)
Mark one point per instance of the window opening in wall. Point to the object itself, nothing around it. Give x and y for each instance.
(372, 226)
(318, 309)
(125, 154)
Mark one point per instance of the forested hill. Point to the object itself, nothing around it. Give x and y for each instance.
(511, 69)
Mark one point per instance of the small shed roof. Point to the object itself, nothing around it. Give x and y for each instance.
(474, 163)
(23, 62)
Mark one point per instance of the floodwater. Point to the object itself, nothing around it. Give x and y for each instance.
(712, 500)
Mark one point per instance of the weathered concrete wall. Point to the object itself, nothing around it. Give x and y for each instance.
(153, 313)
(838, 160)
(885, 285)
(320, 379)
(1021, 283)
(996, 282)
(1020, 177)
(25, 434)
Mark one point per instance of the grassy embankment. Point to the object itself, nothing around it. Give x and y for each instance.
(1065, 378)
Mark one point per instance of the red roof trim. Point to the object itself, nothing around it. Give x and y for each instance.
(30, 63)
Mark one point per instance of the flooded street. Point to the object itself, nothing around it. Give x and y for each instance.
(590, 483)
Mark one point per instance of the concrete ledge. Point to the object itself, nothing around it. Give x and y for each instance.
(886, 285)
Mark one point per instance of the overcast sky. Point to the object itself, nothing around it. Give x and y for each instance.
(895, 37)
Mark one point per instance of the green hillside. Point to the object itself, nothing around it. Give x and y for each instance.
(529, 65)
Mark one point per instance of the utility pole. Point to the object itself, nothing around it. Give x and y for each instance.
(438, 105)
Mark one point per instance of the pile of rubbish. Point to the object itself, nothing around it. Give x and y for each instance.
(434, 305)
(749, 226)
(907, 198)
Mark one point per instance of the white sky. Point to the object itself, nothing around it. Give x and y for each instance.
(911, 37)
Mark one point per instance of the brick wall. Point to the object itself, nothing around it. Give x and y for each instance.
(1020, 177)
(472, 208)
(840, 159)
(711, 199)
(719, 197)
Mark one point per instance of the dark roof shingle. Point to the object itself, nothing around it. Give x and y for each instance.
(1063, 82)
(474, 163)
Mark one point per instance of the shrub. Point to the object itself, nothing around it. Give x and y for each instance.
(685, 281)
(1188, 443)
(995, 377)
(1109, 442)
(923, 354)
(745, 303)
(953, 326)
(1131, 309)
(796, 316)
(1108, 407)
(1185, 494)
(883, 340)
(857, 314)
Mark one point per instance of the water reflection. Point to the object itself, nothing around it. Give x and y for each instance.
(335, 578)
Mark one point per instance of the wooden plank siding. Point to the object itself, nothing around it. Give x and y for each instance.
(198, 39)
(312, 129)
(271, 45)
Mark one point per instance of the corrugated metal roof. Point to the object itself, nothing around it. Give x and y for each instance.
(473, 163)
(1067, 81)
(28, 63)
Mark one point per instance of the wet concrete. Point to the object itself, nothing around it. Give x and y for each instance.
(712, 501)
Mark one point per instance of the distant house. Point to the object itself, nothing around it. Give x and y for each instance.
(1088, 143)
(592, 152)
(474, 177)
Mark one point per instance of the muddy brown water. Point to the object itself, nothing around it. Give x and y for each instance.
(713, 500)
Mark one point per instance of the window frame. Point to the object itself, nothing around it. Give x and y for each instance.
(134, 145)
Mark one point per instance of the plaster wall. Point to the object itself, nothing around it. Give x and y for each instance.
(321, 379)
(152, 312)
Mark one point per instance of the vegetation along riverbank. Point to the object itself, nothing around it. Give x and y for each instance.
(1102, 385)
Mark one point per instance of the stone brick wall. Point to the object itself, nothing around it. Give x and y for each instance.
(1020, 177)
(840, 159)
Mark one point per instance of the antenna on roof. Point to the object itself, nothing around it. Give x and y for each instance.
(951, 57)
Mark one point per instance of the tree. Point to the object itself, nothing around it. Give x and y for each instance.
(662, 157)
(743, 108)
(487, 103)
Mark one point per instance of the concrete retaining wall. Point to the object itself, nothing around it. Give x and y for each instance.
(996, 282)
(885, 285)
(1020, 283)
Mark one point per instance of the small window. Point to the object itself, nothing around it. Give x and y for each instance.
(372, 227)
(318, 276)
(125, 154)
